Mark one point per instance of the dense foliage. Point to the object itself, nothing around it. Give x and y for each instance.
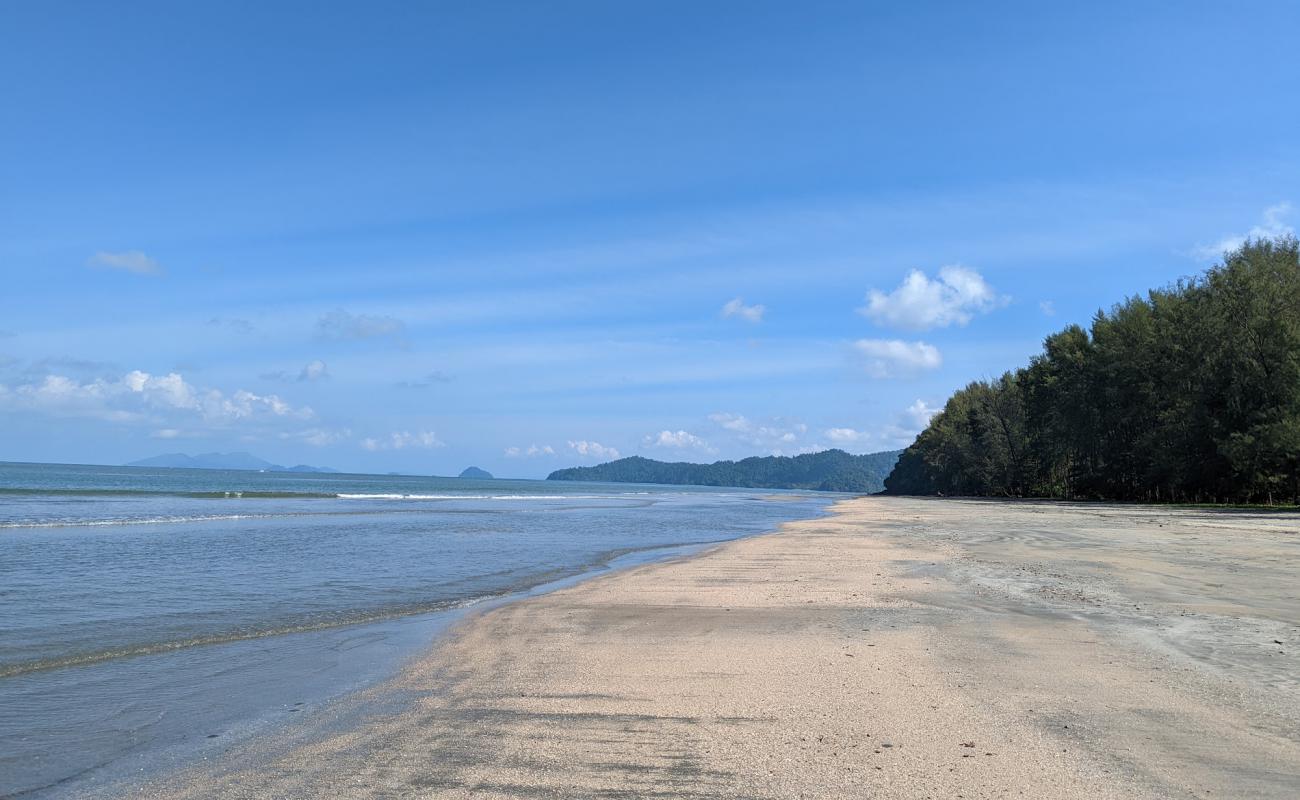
(1191, 394)
(827, 471)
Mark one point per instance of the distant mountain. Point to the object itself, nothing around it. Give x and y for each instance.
(222, 461)
(476, 473)
(827, 471)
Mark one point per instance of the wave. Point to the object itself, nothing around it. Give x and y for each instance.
(355, 510)
(395, 496)
(235, 494)
(240, 494)
(159, 520)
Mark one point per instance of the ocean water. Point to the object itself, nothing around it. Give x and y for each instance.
(150, 616)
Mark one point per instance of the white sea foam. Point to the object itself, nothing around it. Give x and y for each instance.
(95, 523)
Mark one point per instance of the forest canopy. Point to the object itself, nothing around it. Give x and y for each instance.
(827, 471)
(1190, 394)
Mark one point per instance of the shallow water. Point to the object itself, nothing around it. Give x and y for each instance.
(141, 609)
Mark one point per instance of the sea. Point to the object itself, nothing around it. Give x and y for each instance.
(153, 617)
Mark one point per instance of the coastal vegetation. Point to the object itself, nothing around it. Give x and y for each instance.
(827, 471)
(1190, 394)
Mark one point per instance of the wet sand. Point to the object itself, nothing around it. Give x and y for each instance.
(899, 648)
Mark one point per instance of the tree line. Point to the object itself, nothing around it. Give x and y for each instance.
(826, 471)
(1190, 394)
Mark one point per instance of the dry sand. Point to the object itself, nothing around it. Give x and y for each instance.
(898, 648)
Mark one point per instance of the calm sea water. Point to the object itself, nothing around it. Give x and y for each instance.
(147, 614)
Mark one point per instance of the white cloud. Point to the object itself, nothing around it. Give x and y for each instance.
(737, 308)
(1273, 226)
(319, 437)
(919, 304)
(847, 435)
(888, 358)
(1047, 307)
(908, 424)
(402, 440)
(920, 413)
(531, 451)
(340, 325)
(138, 396)
(245, 404)
(313, 371)
(593, 450)
(165, 433)
(776, 435)
(678, 440)
(731, 422)
(132, 261)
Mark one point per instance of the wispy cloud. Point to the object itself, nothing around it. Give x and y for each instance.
(318, 437)
(588, 449)
(69, 364)
(343, 325)
(531, 451)
(737, 308)
(403, 440)
(426, 381)
(1274, 224)
(132, 261)
(234, 324)
(920, 304)
(315, 370)
(892, 358)
(1047, 307)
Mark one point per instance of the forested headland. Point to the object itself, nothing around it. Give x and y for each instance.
(827, 471)
(1190, 394)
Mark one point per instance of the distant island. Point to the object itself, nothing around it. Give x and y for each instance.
(827, 471)
(476, 473)
(245, 461)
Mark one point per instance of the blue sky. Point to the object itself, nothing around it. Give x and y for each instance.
(396, 236)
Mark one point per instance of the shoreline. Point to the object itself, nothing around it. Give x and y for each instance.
(370, 655)
(954, 649)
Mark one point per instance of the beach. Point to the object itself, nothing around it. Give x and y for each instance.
(152, 618)
(897, 648)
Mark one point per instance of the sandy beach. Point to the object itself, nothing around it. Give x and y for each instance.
(897, 648)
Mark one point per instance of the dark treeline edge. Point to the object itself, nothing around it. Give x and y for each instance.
(1191, 394)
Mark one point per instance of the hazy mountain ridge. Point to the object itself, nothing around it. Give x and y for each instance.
(244, 461)
(827, 471)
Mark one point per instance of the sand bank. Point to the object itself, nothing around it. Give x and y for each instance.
(896, 649)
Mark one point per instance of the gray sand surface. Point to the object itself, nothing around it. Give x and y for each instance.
(900, 648)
